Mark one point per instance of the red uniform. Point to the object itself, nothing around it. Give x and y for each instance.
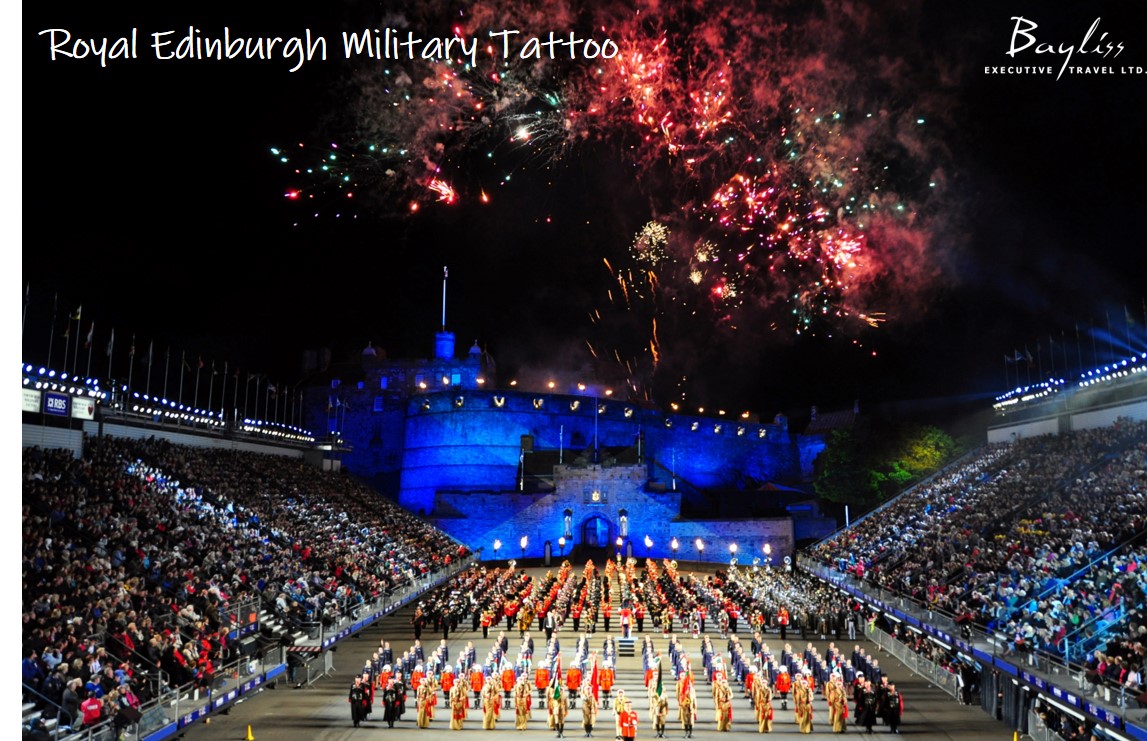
(627, 719)
(605, 679)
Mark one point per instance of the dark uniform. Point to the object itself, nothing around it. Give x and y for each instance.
(357, 700)
(390, 705)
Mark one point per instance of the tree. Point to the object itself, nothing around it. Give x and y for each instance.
(867, 465)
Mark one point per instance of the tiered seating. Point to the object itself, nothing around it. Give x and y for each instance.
(138, 550)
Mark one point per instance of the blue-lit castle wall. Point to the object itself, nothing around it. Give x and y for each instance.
(473, 441)
(497, 464)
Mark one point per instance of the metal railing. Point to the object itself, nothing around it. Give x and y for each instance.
(182, 705)
(188, 703)
(931, 671)
(1058, 672)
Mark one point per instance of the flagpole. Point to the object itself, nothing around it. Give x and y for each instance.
(130, 371)
(195, 396)
(1051, 354)
(52, 327)
(1079, 348)
(1094, 349)
(24, 318)
(150, 358)
(166, 371)
(235, 399)
(211, 389)
(1143, 304)
(1110, 337)
(1063, 344)
(1127, 327)
(67, 342)
(246, 394)
(111, 349)
(79, 321)
(91, 338)
(182, 366)
(445, 274)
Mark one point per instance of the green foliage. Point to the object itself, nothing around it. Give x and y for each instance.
(866, 465)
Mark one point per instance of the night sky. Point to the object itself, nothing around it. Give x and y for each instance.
(151, 197)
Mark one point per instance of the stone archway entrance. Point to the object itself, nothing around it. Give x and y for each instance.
(595, 532)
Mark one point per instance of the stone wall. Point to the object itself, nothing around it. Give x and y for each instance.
(595, 499)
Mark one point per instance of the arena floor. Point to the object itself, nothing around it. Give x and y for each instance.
(320, 712)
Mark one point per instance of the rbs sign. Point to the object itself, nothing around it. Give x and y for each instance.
(56, 404)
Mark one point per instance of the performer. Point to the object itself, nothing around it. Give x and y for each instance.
(357, 700)
(491, 706)
(626, 721)
(867, 714)
(686, 711)
(368, 690)
(763, 701)
(522, 703)
(424, 700)
(660, 715)
(573, 682)
(448, 681)
(723, 700)
(559, 708)
(477, 682)
(605, 680)
(390, 704)
(895, 705)
(457, 707)
(542, 681)
(784, 684)
(837, 703)
(802, 705)
(509, 679)
(589, 707)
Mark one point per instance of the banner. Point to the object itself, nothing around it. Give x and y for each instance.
(30, 401)
(56, 404)
(83, 407)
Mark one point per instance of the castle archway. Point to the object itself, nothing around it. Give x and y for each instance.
(595, 532)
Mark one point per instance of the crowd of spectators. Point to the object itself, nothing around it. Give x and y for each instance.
(135, 555)
(1039, 542)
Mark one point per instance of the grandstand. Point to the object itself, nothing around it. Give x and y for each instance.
(170, 571)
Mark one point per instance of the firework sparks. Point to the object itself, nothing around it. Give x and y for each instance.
(791, 182)
(446, 193)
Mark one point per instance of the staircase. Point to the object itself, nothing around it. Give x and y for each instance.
(270, 627)
(29, 713)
